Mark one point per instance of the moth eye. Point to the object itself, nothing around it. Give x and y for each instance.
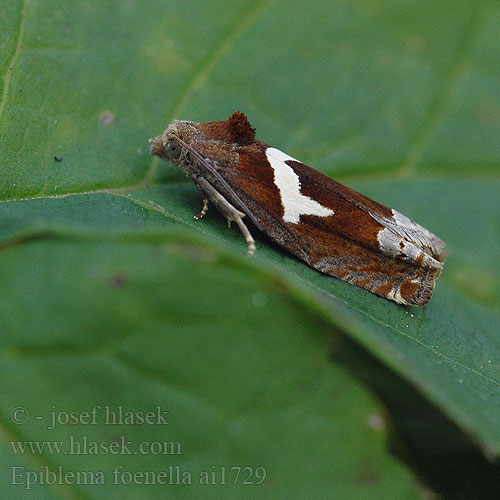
(172, 150)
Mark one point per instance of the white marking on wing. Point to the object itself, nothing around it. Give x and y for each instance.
(294, 202)
(403, 236)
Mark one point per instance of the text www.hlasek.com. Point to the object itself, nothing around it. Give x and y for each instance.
(84, 446)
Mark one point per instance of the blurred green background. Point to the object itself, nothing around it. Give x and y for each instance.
(278, 382)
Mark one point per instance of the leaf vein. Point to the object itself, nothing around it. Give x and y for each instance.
(204, 69)
(163, 210)
(444, 95)
(401, 332)
(10, 67)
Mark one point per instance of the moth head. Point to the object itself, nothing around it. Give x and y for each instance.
(217, 141)
(167, 146)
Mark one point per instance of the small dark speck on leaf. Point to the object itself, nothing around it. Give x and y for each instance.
(107, 118)
(58, 158)
(119, 281)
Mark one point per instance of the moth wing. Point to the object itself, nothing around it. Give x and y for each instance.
(397, 223)
(335, 229)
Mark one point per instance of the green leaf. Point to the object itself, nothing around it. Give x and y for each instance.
(112, 294)
(240, 369)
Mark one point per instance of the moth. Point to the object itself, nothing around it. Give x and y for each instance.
(329, 226)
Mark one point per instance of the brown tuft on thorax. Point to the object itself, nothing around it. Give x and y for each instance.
(236, 129)
(241, 130)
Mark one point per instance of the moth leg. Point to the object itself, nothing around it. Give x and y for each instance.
(200, 189)
(228, 211)
(246, 233)
(203, 210)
